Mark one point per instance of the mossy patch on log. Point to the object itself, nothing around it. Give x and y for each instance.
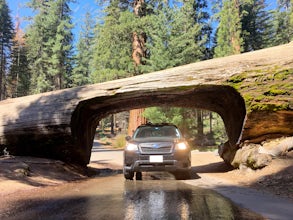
(268, 89)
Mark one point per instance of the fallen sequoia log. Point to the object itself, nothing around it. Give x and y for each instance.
(62, 124)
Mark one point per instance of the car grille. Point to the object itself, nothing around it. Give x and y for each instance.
(156, 148)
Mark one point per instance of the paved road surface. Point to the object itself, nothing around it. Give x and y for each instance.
(103, 155)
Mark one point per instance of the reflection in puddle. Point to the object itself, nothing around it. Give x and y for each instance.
(111, 198)
(153, 200)
(156, 201)
(175, 200)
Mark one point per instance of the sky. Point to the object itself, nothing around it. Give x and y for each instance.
(18, 7)
(78, 11)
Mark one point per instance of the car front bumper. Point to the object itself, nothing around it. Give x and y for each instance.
(136, 162)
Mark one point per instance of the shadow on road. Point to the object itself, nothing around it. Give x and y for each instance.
(218, 167)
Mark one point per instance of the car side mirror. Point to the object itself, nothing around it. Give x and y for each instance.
(127, 138)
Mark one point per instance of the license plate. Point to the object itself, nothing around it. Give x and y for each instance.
(156, 159)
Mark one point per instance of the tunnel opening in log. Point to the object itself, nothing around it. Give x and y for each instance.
(224, 100)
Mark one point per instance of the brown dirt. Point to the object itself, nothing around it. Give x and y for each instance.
(26, 173)
(276, 178)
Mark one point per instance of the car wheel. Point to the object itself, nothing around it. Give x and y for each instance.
(138, 176)
(128, 174)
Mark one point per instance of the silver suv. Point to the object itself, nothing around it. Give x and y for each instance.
(157, 147)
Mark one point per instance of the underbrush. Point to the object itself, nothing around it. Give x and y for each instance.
(119, 141)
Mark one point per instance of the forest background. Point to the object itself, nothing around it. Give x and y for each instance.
(124, 38)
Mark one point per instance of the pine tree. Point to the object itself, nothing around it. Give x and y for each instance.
(112, 50)
(37, 35)
(61, 59)
(228, 37)
(6, 36)
(283, 25)
(256, 25)
(158, 55)
(202, 17)
(81, 71)
(49, 39)
(189, 33)
(18, 79)
(170, 43)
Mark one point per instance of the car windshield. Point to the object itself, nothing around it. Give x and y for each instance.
(156, 131)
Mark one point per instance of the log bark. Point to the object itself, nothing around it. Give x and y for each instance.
(62, 124)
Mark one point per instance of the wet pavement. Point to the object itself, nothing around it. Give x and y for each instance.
(114, 198)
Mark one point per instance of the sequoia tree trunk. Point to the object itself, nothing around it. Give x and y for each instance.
(138, 52)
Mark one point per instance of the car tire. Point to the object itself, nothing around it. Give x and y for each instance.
(138, 176)
(128, 174)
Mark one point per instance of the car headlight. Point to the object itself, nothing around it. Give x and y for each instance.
(181, 146)
(131, 147)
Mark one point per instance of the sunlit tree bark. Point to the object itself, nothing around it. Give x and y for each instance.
(138, 52)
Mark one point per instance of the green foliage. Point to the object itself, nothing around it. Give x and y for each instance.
(176, 35)
(256, 25)
(105, 75)
(6, 35)
(186, 40)
(169, 43)
(229, 40)
(6, 27)
(159, 55)
(243, 26)
(112, 50)
(81, 72)
(213, 127)
(283, 23)
(162, 115)
(119, 142)
(49, 40)
(18, 79)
